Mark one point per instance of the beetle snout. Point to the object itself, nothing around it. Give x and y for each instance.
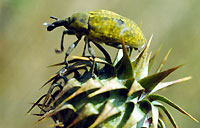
(51, 27)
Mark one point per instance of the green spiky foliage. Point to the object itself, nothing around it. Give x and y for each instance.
(118, 94)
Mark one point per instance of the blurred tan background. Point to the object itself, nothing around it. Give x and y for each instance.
(26, 49)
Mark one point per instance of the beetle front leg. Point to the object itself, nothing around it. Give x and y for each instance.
(69, 50)
(68, 32)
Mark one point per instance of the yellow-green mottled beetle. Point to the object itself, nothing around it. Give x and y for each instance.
(100, 26)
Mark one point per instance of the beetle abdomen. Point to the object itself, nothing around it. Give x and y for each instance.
(109, 27)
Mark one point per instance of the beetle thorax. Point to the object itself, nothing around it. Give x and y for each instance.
(78, 23)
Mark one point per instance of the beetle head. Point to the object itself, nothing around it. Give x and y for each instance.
(78, 23)
(55, 24)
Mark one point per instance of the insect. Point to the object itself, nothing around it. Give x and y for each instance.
(99, 26)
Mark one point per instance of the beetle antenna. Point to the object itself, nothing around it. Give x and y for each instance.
(55, 18)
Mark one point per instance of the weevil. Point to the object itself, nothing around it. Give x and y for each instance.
(99, 26)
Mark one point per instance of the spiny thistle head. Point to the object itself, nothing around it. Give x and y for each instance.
(109, 94)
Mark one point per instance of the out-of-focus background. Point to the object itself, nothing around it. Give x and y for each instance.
(26, 49)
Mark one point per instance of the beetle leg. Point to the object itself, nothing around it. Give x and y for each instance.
(130, 50)
(91, 52)
(106, 54)
(68, 32)
(115, 45)
(137, 49)
(84, 49)
(119, 46)
(69, 50)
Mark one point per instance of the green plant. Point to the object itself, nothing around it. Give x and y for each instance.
(112, 94)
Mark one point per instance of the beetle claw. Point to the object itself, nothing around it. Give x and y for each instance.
(58, 51)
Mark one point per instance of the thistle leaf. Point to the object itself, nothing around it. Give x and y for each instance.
(145, 50)
(163, 61)
(135, 86)
(170, 117)
(36, 103)
(113, 84)
(57, 124)
(141, 123)
(50, 79)
(98, 60)
(135, 97)
(155, 115)
(135, 116)
(126, 114)
(153, 97)
(48, 95)
(141, 68)
(167, 84)
(162, 123)
(150, 82)
(89, 85)
(151, 61)
(58, 64)
(145, 106)
(57, 109)
(125, 70)
(72, 83)
(108, 111)
(88, 110)
(141, 63)
(118, 57)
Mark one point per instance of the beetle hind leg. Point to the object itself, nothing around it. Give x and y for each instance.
(91, 52)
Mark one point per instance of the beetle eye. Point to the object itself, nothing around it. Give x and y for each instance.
(83, 21)
(68, 21)
(71, 20)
